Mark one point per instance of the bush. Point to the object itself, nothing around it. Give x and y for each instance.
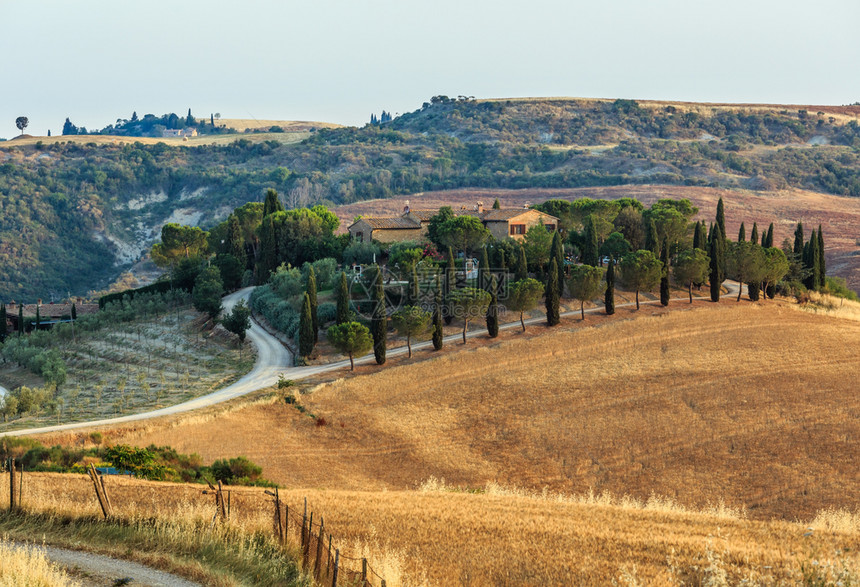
(360, 253)
(327, 312)
(287, 282)
(836, 286)
(324, 270)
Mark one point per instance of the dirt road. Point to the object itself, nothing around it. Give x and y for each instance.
(95, 570)
(273, 359)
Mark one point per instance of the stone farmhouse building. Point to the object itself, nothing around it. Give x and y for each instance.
(412, 224)
(178, 133)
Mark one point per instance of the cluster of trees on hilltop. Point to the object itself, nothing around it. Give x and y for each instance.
(151, 125)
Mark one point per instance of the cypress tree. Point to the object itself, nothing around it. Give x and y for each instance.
(590, 253)
(721, 219)
(652, 241)
(379, 323)
(822, 265)
(768, 239)
(522, 271)
(74, 312)
(2, 322)
(754, 233)
(742, 233)
(497, 205)
(272, 203)
(699, 237)
(20, 320)
(438, 335)
(557, 253)
(810, 262)
(798, 241)
(342, 316)
(450, 283)
(311, 288)
(306, 327)
(493, 309)
(716, 261)
(503, 266)
(236, 241)
(770, 291)
(609, 295)
(39, 317)
(552, 294)
(664, 279)
(484, 270)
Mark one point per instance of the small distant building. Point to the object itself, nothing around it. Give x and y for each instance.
(412, 224)
(178, 133)
(49, 314)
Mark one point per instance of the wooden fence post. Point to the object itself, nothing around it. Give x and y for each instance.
(100, 492)
(105, 494)
(328, 558)
(306, 551)
(319, 549)
(11, 484)
(336, 566)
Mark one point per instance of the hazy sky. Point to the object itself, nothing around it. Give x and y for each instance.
(340, 60)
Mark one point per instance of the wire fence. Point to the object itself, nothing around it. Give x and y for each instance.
(295, 528)
(320, 557)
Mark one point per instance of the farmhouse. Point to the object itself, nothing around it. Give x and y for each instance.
(179, 133)
(412, 224)
(49, 314)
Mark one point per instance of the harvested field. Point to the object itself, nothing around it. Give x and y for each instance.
(747, 403)
(501, 537)
(838, 216)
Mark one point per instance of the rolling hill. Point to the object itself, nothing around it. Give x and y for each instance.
(739, 411)
(68, 205)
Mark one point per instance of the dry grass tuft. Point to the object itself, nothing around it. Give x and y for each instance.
(828, 305)
(27, 566)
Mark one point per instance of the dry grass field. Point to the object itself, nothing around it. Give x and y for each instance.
(741, 415)
(838, 216)
(290, 126)
(750, 404)
(841, 113)
(501, 537)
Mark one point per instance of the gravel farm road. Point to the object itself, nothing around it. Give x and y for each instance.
(273, 360)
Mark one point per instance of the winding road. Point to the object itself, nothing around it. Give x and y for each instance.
(273, 360)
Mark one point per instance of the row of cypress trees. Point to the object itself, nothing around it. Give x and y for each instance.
(714, 242)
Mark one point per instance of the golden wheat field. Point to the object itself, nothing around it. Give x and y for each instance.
(438, 535)
(724, 431)
(754, 404)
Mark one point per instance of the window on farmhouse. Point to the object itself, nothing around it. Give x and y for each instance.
(518, 228)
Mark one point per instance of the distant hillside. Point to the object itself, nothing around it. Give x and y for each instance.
(68, 205)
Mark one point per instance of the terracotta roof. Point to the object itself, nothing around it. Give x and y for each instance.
(52, 310)
(396, 222)
(406, 220)
(502, 215)
(424, 215)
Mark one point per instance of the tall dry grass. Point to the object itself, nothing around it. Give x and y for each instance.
(27, 566)
(164, 525)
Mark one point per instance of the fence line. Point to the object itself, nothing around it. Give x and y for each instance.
(293, 526)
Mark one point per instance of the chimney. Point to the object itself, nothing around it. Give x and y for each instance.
(480, 207)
